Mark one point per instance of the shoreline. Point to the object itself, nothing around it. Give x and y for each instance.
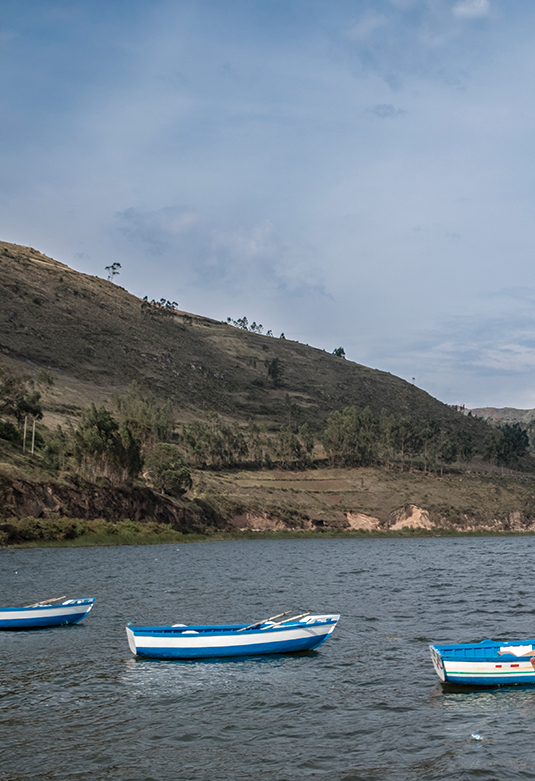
(173, 537)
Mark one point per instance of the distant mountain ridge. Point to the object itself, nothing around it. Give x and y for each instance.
(504, 414)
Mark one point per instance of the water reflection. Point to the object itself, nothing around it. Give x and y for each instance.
(493, 697)
(154, 677)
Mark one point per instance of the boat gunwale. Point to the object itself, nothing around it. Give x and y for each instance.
(67, 604)
(224, 629)
(482, 652)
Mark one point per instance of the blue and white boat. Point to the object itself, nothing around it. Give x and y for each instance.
(299, 633)
(487, 663)
(45, 614)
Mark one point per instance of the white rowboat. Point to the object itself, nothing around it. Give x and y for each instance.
(42, 614)
(199, 642)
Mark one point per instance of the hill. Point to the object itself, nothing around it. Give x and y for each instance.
(95, 337)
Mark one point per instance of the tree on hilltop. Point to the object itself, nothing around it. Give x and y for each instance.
(113, 270)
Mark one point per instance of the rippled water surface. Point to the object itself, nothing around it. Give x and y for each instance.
(75, 704)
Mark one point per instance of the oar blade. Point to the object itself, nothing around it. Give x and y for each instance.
(261, 623)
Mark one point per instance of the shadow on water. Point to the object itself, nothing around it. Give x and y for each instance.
(257, 659)
(41, 629)
(501, 689)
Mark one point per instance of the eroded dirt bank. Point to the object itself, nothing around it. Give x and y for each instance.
(20, 498)
(352, 501)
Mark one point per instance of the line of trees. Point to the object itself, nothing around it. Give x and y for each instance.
(118, 446)
(216, 444)
(139, 437)
(254, 327)
(360, 438)
(161, 307)
(506, 446)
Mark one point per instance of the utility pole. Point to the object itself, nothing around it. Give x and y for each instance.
(24, 437)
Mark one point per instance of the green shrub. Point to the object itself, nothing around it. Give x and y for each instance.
(10, 432)
(168, 471)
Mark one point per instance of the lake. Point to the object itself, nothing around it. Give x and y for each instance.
(366, 705)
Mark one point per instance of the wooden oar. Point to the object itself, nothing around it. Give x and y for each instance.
(259, 623)
(46, 602)
(286, 620)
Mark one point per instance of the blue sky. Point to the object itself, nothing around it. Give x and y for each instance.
(356, 174)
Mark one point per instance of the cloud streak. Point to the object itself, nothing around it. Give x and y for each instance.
(386, 110)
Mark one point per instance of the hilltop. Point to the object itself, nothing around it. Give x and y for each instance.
(95, 337)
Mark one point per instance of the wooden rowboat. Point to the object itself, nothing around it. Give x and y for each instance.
(48, 613)
(299, 633)
(487, 663)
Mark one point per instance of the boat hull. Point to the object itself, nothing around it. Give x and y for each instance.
(202, 642)
(69, 612)
(485, 664)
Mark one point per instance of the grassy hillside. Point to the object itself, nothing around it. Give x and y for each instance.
(95, 337)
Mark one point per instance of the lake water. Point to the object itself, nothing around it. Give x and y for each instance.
(367, 705)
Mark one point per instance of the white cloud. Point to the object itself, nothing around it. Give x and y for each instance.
(471, 9)
(364, 29)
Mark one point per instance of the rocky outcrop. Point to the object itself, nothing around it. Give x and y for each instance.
(409, 517)
(257, 522)
(361, 522)
(516, 521)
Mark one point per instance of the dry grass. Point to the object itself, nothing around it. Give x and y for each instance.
(95, 339)
(328, 494)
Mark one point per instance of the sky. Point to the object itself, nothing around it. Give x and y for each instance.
(354, 173)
